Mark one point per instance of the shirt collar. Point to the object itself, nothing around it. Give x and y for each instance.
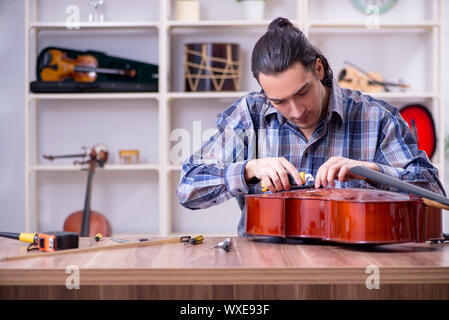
(335, 105)
(335, 102)
(269, 110)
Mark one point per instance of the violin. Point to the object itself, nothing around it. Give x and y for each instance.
(355, 78)
(350, 216)
(58, 66)
(88, 223)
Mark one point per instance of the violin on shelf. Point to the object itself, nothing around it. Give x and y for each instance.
(354, 78)
(57, 66)
(87, 223)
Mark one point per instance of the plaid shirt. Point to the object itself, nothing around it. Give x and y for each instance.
(357, 126)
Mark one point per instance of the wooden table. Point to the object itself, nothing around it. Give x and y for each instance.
(253, 269)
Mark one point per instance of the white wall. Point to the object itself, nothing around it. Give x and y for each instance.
(138, 211)
(12, 181)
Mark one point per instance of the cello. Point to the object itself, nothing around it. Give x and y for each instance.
(349, 216)
(87, 222)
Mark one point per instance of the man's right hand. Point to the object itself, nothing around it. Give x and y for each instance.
(273, 172)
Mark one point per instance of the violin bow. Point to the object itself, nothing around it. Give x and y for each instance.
(430, 198)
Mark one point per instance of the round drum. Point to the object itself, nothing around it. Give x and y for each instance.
(212, 67)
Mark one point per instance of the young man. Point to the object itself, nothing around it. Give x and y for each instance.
(300, 121)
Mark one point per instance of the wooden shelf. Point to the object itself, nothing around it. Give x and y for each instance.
(86, 96)
(316, 24)
(174, 167)
(404, 95)
(107, 167)
(207, 95)
(239, 94)
(197, 95)
(218, 23)
(92, 25)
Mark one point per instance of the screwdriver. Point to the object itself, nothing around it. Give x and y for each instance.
(305, 178)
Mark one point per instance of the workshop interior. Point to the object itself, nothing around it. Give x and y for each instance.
(105, 101)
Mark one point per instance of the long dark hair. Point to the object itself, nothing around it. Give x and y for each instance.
(282, 46)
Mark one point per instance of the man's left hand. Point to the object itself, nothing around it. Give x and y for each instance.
(337, 168)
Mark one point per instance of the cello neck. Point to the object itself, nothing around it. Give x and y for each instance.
(85, 225)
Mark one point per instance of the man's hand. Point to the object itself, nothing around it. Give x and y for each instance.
(337, 168)
(273, 172)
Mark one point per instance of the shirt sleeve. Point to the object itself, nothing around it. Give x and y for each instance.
(398, 156)
(215, 172)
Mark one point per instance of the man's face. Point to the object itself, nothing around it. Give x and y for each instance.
(297, 94)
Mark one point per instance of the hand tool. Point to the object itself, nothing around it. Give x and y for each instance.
(99, 248)
(48, 241)
(305, 177)
(225, 245)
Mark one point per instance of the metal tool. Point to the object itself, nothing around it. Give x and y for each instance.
(225, 245)
(119, 240)
(48, 241)
(305, 177)
(91, 249)
(192, 240)
(96, 238)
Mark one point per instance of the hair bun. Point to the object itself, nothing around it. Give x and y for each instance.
(280, 24)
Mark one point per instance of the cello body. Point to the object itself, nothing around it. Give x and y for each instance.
(358, 216)
(97, 223)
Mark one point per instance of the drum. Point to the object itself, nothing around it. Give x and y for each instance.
(212, 67)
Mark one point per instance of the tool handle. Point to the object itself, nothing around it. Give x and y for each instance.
(10, 235)
(306, 178)
(401, 185)
(90, 249)
(24, 237)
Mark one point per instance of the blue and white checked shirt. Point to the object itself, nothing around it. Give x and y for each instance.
(357, 126)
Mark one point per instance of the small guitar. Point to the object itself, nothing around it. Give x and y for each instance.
(355, 78)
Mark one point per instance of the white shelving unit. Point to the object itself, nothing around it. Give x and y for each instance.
(165, 97)
(92, 25)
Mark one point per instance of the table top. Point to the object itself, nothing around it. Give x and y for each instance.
(250, 261)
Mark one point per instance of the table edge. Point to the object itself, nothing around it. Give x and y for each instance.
(226, 276)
